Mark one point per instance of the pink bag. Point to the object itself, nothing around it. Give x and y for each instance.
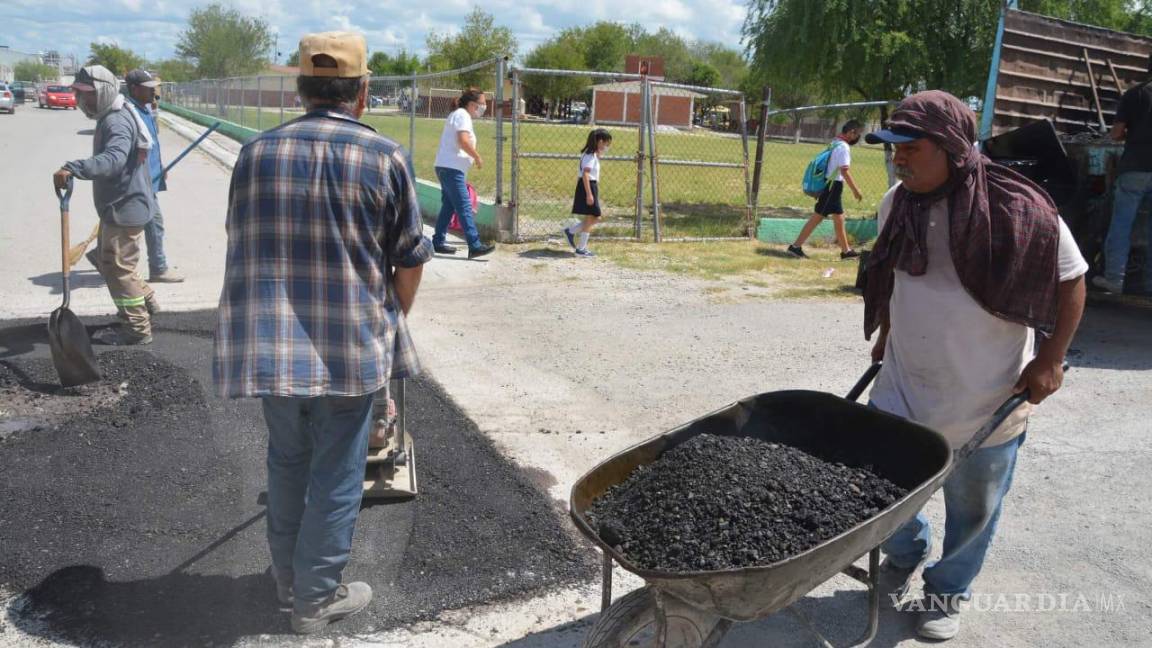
(454, 224)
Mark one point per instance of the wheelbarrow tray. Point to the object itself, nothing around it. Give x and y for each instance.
(824, 425)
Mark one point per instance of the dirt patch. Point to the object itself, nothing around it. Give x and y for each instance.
(718, 502)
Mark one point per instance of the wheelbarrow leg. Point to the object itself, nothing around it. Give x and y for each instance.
(871, 578)
(606, 583)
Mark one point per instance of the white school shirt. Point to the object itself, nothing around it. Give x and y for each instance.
(450, 155)
(591, 162)
(841, 157)
(948, 363)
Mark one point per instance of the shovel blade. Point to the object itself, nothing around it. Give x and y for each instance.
(71, 349)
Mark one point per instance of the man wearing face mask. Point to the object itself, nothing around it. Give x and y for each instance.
(457, 153)
(122, 192)
(325, 254)
(971, 259)
(830, 202)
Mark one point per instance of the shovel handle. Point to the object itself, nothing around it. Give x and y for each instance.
(864, 381)
(65, 238)
(64, 195)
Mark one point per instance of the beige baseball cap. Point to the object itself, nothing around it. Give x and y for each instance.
(348, 49)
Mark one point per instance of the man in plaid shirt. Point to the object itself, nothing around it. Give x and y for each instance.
(325, 251)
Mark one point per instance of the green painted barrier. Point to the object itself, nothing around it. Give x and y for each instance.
(785, 230)
(231, 129)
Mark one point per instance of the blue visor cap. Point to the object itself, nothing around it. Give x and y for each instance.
(894, 136)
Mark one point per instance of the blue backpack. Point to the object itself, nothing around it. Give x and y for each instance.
(816, 175)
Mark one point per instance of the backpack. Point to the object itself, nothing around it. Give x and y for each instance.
(816, 175)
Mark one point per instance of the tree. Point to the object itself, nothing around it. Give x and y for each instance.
(479, 40)
(175, 70)
(668, 45)
(35, 72)
(606, 44)
(730, 63)
(1122, 15)
(294, 59)
(118, 60)
(704, 75)
(383, 64)
(223, 42)
(563, 53)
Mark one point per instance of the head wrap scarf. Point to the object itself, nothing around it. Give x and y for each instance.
(1004, 229)
(109, 99)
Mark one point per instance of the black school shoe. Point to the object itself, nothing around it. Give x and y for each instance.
(797, 251)
(850, 254)
(444, 248)
(476, 253)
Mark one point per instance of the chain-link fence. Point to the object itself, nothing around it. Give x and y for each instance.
(678, 168)
(792, 137)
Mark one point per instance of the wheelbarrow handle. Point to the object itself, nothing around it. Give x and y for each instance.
(998, 417)
(864, 381)
(64, 196)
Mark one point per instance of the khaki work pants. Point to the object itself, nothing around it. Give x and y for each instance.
(119, 253)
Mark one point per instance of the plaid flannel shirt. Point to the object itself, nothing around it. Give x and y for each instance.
(319, 211)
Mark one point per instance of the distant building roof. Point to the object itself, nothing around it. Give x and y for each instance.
(634, 87)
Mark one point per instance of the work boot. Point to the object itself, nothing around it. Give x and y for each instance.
(895, 581)
(477, 252)
(444, 248)
(940, 619)
(1107, 285)
(120, 337)
(93, 258)
(167, 275)
(310, 618)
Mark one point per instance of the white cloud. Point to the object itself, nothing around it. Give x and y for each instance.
(152, 27)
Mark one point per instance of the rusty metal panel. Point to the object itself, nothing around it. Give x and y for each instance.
(1043, 73)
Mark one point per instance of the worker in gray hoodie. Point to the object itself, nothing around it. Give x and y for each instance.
(122, 191)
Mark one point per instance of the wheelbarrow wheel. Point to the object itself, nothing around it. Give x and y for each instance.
(631, 622)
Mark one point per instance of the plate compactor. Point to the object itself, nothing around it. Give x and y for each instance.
(391, 469)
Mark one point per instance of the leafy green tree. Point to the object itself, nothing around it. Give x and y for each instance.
(703, 74)
(35, 72)
(479, 40)
(224, 42)
(605, 45)
(294, 58)
(1124, 15)
(118, 60)
(667, 44)
(175, 70)
(563, 53)
(383, 64)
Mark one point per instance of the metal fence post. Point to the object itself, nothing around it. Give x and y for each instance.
(515, 202)
(499, 130)
(281, 98)
(259, 101)
(639, 164)
(654, 181)
(750, 212)
(761, 133)
(412, 122)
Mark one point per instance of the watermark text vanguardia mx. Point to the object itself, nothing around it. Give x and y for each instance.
(1018, 602)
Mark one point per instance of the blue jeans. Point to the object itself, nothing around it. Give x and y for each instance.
(454, 198)
(973, 499)
(1131, 189)
(317, 449)
(154, 237)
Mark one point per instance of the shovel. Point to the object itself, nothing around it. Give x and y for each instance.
(71, 349)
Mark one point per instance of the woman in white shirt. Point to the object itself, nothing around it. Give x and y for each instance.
(456, 155)
(586, 202)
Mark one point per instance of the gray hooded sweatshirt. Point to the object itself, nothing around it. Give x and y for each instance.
(118, 168)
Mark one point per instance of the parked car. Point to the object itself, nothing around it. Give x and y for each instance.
(7, 99)
(58, 96)
(18, 91)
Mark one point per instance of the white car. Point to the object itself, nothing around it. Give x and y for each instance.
(7, 99)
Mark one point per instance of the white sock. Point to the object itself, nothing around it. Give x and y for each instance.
(583, 241)
(574, 229)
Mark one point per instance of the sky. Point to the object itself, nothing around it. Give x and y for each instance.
(151, 28)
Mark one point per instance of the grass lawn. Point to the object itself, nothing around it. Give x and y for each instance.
(695, 201)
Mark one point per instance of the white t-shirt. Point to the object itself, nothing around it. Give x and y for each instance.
(450, 155)
(948, 363)
(592, 163)
(841, 157)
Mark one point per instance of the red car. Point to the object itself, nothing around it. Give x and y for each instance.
(58, 96)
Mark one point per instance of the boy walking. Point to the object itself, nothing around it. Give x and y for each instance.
(830, 202)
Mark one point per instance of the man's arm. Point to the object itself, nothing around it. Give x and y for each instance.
(1044, 375)
(109, 162)
(850, 182)
(407, 282)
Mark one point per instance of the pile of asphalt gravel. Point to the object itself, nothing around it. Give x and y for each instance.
(717, 502)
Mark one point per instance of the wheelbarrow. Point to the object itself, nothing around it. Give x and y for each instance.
(696, 609)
